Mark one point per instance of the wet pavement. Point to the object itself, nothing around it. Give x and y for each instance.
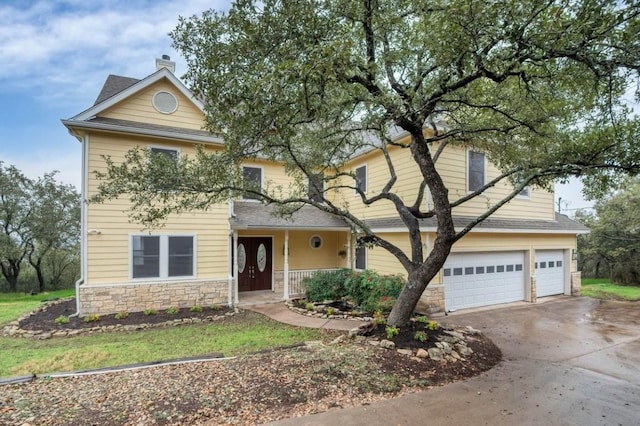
(566, 361)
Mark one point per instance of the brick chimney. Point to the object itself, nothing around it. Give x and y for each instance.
(165, 62)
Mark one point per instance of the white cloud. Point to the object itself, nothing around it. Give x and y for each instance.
(63, 50)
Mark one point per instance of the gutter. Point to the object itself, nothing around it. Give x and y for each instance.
(83, 220)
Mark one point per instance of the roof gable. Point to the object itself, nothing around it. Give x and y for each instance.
(114, 85)
(112, 96)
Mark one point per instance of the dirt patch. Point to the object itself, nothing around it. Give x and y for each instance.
(45, 319)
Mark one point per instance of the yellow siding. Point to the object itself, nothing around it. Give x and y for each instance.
(301, 255)
(108, 252)
(452, 167)
(140, 108)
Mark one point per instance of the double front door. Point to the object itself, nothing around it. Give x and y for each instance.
(254, 263)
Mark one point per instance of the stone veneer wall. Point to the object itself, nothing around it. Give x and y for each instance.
(432, 299)
(108, 299)
(576, 283)
(534, 290)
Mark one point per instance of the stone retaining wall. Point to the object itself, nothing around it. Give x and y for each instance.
(433, 298)
(576, 283)
(153, 295)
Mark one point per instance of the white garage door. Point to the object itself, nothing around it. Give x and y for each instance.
(481, 279)
(549, 272)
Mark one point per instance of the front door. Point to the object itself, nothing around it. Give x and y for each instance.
(254, 263)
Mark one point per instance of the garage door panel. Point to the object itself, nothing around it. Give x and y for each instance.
(481, 279)
(550, 275)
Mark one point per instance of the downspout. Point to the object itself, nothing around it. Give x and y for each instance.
(83, 221)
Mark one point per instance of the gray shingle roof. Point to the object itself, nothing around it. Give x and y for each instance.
(255, 215)
(561, 224)
(114, 85)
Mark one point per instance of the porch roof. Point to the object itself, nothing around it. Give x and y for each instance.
(254, 215)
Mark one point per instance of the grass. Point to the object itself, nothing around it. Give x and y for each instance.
(12, 305)
(233, 336)
(602, 288)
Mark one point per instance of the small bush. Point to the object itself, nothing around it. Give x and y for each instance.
(196, 308)
(421, 336)
(121, 315)
(172, 310)
(309, 306)
(150, 312)
(433, 325)
(330, 311)
(326, 285)
(379, 318)
(62, 320)
(216, 308)
(92, 318)
(422, 319)
(392, 332)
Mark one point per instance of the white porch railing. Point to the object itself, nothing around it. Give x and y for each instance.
(296, 278)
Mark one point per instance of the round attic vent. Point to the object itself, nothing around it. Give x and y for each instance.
(165, 102)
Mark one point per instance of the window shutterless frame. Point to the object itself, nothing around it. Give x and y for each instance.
(361, 179)
(476, 170)
(256, 175)
(162, 256)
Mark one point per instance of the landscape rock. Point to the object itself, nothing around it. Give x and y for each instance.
(435, 354)
(407, 352)
(422, 353)
(338, 339)
(387, 344)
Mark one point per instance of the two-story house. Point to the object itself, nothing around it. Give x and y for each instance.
(522, 252)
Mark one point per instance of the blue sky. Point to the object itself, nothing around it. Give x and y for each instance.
(55, 56)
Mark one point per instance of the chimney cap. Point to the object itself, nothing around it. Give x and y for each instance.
(166, 57)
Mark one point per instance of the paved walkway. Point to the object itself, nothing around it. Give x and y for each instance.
(573, 361)
(280, 312)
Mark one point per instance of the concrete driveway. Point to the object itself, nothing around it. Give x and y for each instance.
(568, 361)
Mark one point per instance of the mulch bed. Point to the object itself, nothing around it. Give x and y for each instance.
(246, 390)
(45, 320)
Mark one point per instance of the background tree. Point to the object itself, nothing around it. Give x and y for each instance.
(16, 209)
(537, 86)
(612, 249)
(39, 227)
(55, 228)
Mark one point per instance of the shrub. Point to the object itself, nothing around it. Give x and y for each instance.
(216, 308)
(196, 308)
(150, 312)
(62, 320)
(309, 306)
(433, 325)
(92, 318)
(379, 318)
(326, 285)
(121, 315)
(330, 311)
(374, 292)
(172, 310)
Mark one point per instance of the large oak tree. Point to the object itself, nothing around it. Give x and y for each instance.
(539, 86)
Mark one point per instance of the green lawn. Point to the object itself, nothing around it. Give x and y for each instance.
(12, 305)
(602, 288)
(241, 334)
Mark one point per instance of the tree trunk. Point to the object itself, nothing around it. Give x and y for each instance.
(10, 273)
(37, 265)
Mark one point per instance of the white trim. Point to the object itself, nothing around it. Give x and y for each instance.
(153, 102)
(151, 147)
(486, 230)
(285, 278)
(178, 280)
(524, 197)
(484, 156)
(137, 87)
(164, 257)
(242, 197)
(286, 227)
(366, 179)
(311, 238)
(160, 134)
(355, 259)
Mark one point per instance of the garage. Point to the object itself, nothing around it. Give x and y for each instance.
(549, 272)
(483, 278)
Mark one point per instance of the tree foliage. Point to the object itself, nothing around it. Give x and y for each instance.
(539, 86)
(612, 249)
(40, 224)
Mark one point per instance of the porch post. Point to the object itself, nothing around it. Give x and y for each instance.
(286, 265)
(349, 265)
(235, 266)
